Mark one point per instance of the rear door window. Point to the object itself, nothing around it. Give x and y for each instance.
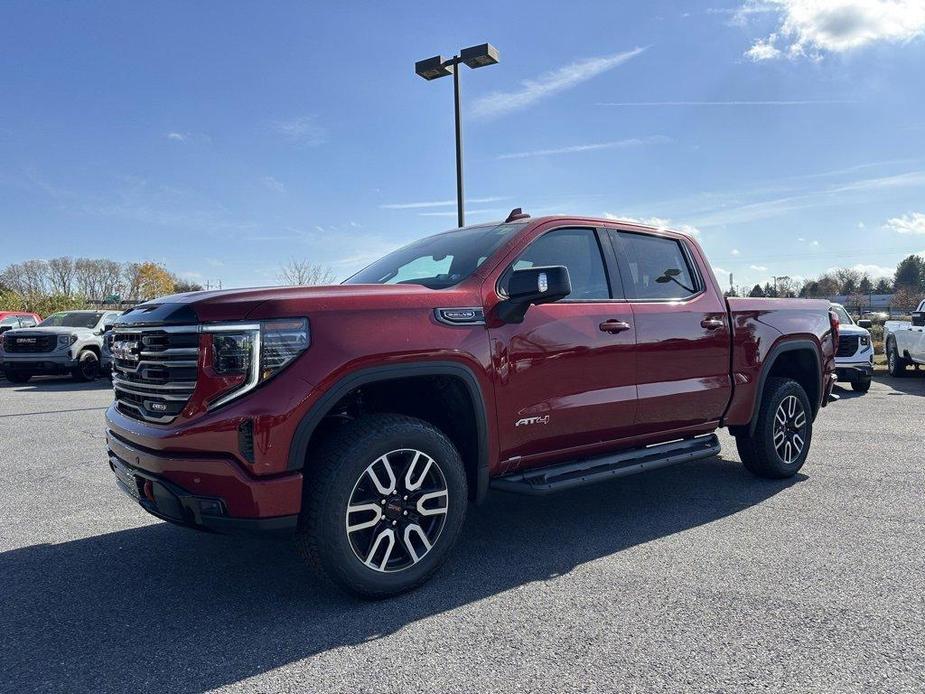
(659, 269)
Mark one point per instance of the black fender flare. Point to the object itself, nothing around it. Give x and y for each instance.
(775, 351)
(298, 448)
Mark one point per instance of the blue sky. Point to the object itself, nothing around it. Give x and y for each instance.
(222, 138)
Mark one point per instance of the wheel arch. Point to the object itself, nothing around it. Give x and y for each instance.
(798, 359)
(380, 376)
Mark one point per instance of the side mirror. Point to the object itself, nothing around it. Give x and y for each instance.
(918, 319)
(865, 323)
(534, 285)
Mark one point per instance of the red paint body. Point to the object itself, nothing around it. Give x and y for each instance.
(663, 378)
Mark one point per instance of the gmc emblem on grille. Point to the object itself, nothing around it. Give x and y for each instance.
(127, 350)
(25, 340)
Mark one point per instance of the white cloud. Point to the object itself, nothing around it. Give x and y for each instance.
(720, 271)
(801, 239)
(815, 27)
(734, 251)
(764, 50)
(435, 203)
(549, 83)
(177, 137)
(304, 130)
(861, 225)
(776, 102)
(813, 243)
(912, 223)
(618, 144)
(273, 184)
(874, 271)
(657, 222)
(758, 268)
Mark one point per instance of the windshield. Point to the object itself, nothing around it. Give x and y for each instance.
(842, 314)
(72, 319)
(438, 261)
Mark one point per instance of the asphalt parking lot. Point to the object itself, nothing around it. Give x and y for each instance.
(697, 577)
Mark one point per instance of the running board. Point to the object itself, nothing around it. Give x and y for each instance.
(590, 470)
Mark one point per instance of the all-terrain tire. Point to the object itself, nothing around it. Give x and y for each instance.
(339, 472)
(765, 453)
(88, 366)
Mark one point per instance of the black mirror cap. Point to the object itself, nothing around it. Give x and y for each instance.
(539, 285)
(918, 319)
(865, 323)
(534, 285)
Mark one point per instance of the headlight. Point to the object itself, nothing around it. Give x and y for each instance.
(66, 340)
(865, 340)
(245, 355)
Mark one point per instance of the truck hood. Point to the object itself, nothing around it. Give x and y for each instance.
(280, 302)
(50, 330)
(853, 330)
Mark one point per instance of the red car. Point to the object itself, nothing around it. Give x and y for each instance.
(527, 356)
(10, 320)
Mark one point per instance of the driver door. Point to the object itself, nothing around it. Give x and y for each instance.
(565, 376)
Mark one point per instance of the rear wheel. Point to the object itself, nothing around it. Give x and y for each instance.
(88, 367)
(16, 376)
(783, 431)
(861, 383)
(383, 505)
(895, 363)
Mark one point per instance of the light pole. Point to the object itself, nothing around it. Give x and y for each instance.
(779, 277)
(436, 67)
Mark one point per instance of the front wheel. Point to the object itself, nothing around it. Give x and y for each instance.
(861, 384)
(783, 431)
(88, 367)
(385, 499)
(16, 376)
(895, 363)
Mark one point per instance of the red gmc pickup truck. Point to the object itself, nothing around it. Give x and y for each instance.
(527, 356)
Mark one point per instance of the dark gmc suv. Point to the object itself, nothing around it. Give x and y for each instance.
(527, 356)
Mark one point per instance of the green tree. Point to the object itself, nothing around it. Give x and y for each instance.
(910, 273)
(756, 291)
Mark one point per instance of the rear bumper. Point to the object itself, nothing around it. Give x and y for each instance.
(212, 493)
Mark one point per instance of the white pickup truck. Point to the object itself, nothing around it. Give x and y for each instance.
(905, 341)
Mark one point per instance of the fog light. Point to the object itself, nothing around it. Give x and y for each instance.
(210, 507)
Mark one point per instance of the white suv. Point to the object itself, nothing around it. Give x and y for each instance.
(854, 360)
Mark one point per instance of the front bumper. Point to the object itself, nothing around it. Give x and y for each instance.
(848, 370)
(39, 362)
(211, 494)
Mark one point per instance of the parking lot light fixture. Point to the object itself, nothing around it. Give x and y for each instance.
(436, 67)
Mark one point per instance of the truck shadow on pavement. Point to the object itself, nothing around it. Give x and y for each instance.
(56, 384)
(912, 383)
(160, 608)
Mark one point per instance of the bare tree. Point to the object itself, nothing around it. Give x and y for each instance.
(97, 278)
(848, 280)
(61, 273)
(303, 272)
(29, 278)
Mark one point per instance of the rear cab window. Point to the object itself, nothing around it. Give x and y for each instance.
(659, 268)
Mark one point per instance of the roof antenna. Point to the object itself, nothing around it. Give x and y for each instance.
(516, 213)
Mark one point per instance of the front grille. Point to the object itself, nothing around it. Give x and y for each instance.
(847, 346)
(154, 370)
(31, 344)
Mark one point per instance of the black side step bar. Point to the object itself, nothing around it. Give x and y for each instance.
(590, 470)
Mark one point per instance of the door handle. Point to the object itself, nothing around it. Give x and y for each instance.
(614, 326)
(712, 323)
